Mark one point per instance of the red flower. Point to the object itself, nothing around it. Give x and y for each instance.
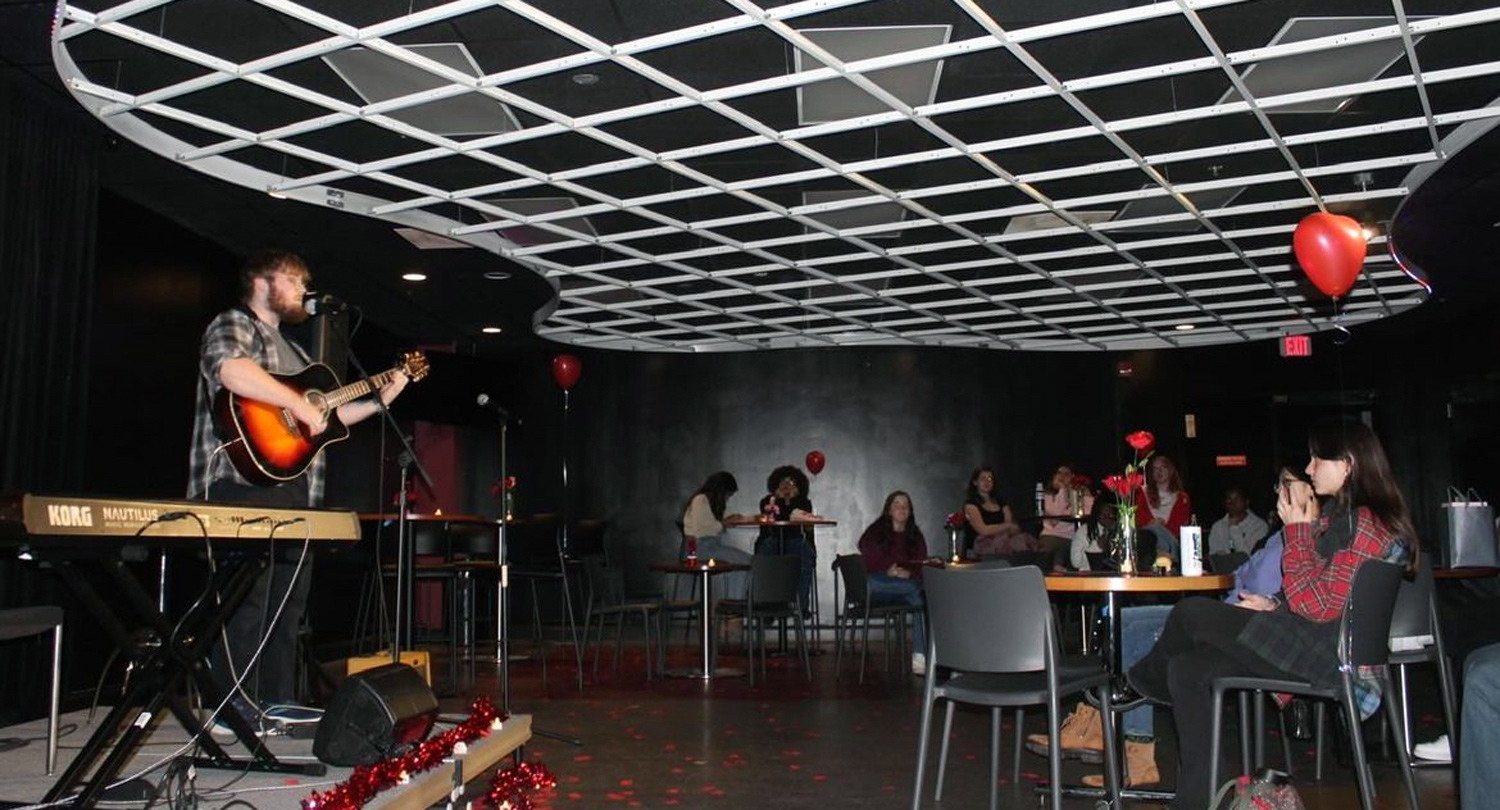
(1134, 481)
(955, 520)
(1117, 484)
(510, 482)
(1080, 481)
(1141, 440)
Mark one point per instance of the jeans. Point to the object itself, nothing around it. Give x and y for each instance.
(1479, 749)
(732, 585)
(889, 590)
(1165, 542)
(1139, 629)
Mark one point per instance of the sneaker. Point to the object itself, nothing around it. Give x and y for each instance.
(918, 663)
(244, 708)
(1436, 751)
(1082, 734)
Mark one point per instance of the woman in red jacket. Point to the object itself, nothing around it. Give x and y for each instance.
(1163, 506)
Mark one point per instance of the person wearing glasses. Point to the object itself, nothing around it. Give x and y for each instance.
(1082, 732)
(786, 500)
(1352, 513)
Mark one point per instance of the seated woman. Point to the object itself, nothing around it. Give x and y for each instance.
(1162, 507)
(1095, 538)
(786, 499)
(703, 523)
(893, 549)
(1293, 634)
(990, 530)
(1062, 504)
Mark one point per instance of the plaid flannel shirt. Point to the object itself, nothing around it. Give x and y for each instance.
(1316, 590)
(233, 334)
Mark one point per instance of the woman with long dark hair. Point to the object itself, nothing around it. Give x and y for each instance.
(703, 521)
(990, 528)
(1352, 513)
(894, 549)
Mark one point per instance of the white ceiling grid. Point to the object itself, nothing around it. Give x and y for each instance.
(710, 251)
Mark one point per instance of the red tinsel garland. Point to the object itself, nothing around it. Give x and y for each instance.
(369, 780)
(508, 788)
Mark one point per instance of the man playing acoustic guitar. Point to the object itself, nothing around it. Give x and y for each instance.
(241, 349)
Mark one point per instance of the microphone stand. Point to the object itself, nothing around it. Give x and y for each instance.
(405, 570)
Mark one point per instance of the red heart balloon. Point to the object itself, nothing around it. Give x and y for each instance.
(566, 370)
(1331, 250)
(815, 461)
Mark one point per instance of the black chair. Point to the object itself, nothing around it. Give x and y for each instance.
(1012, 662)
(1417, 638)
(606, 600)
(25, 622)
(1363, 642)
(536, 555)
(855, 611)
(774, 595)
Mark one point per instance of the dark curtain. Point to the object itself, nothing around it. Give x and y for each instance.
(48, 211)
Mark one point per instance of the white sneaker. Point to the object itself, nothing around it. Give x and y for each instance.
(1436, 751)
(919, 664)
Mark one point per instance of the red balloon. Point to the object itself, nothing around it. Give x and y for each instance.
(815, 461)
(1331, 250)
(566, 370)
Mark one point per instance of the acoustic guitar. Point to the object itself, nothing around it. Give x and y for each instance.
(267, 445)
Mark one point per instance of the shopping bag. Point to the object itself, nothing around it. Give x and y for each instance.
(1268, 790)
(1469, 531)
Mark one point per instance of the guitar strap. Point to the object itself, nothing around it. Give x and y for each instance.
(263, 344)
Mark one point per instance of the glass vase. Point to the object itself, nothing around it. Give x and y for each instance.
(955, 538)
(1125, 549)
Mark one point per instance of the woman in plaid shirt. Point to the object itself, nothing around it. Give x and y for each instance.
(1352, 513)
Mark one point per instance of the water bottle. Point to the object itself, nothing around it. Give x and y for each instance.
(1191, 544)
(1040, 504)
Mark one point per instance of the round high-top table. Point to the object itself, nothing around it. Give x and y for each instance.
(1116, 588)
(705, 569)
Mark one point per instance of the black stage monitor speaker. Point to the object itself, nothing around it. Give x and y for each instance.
(374, 715)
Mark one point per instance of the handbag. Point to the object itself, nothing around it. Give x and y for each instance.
(1269, 789)
(1469, 527)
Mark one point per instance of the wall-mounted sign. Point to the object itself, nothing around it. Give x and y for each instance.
(1229, 461)
(1296, 345)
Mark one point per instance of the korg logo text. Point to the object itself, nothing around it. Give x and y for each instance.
(63, 515)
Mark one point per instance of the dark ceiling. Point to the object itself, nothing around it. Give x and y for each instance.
(1149, 147)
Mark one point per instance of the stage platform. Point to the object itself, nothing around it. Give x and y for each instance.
(23, 781)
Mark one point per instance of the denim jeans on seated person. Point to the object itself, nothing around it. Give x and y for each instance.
(1166, 543)
(889, 590)
(1479, 747)
(1139, 629)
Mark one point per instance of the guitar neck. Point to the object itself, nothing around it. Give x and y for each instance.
(355, 390)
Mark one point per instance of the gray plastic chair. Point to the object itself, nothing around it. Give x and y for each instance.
(1015, 661)
(775, 581)
(1363, 641)
(854, 610)
(606, 600)
(33, 621)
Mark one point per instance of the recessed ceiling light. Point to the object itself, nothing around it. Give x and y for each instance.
(492, 330)
(1185, 327)
(413, 276)
(586, 79)
(497, 275)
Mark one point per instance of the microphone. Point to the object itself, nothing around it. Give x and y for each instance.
(488, 403)
(319, 303)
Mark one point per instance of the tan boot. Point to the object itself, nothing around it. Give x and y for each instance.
(1140, 766)
(1082, 735)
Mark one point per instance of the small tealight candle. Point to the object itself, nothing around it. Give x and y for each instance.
(710, 562)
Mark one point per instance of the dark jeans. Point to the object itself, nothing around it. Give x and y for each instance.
(274, 677)
(1198, 644)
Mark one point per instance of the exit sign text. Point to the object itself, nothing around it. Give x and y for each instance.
(1296, 346)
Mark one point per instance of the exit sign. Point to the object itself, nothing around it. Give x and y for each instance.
(1296, 346)
(1230, 461)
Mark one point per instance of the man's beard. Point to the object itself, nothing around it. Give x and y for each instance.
(291, 312)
